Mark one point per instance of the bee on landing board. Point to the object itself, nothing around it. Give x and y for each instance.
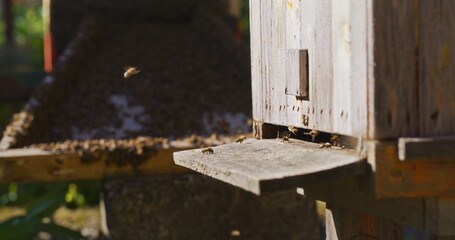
(130, 71)
(207, 150)
(325, 145)
(240, 139)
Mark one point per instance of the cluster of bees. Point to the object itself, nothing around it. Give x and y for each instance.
(334, 138)
(115, 152)
(209, 150)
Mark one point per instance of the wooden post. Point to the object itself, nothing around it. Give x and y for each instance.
(48, 46)
(8, 18)
(344, 224)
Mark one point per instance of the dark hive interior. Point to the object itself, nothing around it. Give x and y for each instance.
(194, 79)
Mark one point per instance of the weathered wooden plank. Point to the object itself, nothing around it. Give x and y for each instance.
(393, 93)
(346, 224)
(440, 217)
(321, 86)
(270, 164)
(395, 178)
(342, 61)
(437, 68)
(351, 193)
(26, 165)
(256, 59)
(294, 28)
(356, 90)
(441, 148)
(335, 105)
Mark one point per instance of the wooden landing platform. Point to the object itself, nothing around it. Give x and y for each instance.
(271, 164)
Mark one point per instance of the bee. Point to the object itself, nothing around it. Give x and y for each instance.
(293, 130)
(130, 71)
(285, 139)
(335, 139)
(313, 133)
(207, 150)
(240, 139)
(325, 145)
(235, 233)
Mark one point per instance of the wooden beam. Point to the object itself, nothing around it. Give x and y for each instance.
(437, 68)
(395, 178)
(345, 224)
(271, 164)
(393, 85)
(26, 165)
(440, 216)
(426, 148)
(355, 194)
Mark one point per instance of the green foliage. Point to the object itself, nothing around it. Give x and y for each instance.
(41, 200)
(244, 21)
(73, 198)
(28, 30)
(28, 226)
(27, 34)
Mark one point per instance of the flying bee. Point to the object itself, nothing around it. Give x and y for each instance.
(235, 233)
(240, 139)
(313, 133)
(130, 71)
(207, 150)
(325, 145)
(293, 129)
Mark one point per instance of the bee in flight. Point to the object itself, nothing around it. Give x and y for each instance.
(130, 71)
(293, 130)
(207, 150)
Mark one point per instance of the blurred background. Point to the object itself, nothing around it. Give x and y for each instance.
(26, 55)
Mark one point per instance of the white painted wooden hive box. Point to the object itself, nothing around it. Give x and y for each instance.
(380, 71)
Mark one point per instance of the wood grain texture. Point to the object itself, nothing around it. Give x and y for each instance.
(395, 178)
(337, 91)
(321, 86)
(351, 194)
(346, 224)
(393, 95)
(440, 148)
(269, 165)
(256, 59)
(27, 165)
(440, 217)
(437, 68)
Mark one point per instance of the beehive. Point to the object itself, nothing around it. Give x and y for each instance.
(374, 76)
(193, 89)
